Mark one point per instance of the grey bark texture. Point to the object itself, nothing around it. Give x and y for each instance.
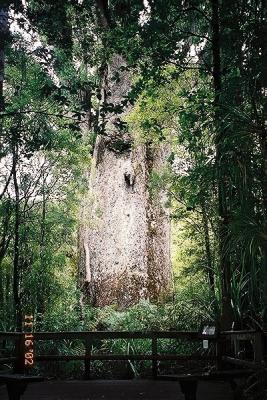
(124, 238)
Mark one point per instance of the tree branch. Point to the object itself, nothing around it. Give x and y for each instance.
(199, 11)
(7, 183)
(14, 113)
(196, 35)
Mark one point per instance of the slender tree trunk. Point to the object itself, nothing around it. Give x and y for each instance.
(262, 118)
(4, 29)
(263, 101)
(84, 271)
(41, 297)
(2, 293)
(263, 143)
(6, 236)
(207, 247)
(16, 266)
(222, 175)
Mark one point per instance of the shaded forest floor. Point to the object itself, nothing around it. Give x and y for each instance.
(119, 390)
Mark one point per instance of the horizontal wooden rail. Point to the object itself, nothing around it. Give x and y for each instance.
(236, 333)
(4, 360)
(242, 363)
(191, 335)
(10, 335)
(122, 357)
(102, 335)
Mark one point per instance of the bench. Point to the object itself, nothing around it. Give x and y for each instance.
(189, 382)
(17, 383)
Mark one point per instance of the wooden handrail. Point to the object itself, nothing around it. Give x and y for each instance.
(191, 335)
(242, 363)
(121, 357)
(5, 360)
(10, 335)
(241, 332)
(88, 338)
(123, 334)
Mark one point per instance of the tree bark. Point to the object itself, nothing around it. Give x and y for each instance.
(16, 266)
(41, 299)
(261, 118)
(4, 29)
(124, 242)
(210, 269)
(6, 235)
(125, 246)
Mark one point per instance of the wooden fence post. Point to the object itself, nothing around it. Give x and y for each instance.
(87, 361)
(220, 347)
(18, 366)
(258, 347)
(154, 359)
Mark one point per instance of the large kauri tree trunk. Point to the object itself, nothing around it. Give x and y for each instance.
(125, 235)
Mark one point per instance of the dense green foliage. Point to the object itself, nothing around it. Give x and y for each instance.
(43, 160)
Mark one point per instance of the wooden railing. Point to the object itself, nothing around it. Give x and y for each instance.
(256, 340)
(88, 339)
(221, 344)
